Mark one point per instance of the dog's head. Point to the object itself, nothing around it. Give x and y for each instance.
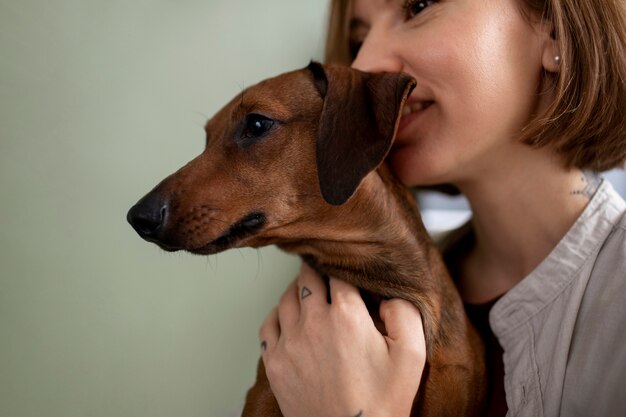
(284, 152)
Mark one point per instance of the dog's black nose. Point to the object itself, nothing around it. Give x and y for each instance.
(148, 216)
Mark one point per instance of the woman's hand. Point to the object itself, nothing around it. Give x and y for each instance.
(329, 360)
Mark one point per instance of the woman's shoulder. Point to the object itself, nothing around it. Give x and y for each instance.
(603, 235)
(597, 354)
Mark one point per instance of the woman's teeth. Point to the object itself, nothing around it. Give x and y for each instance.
(415, 107)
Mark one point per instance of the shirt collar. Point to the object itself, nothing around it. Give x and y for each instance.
(563, 265)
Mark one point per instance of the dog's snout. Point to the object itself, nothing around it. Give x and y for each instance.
(148, 216)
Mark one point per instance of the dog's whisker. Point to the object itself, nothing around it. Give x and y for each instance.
(215, 268)
(199, 113)
(241, 254)
(258, 263)
(208, 264)
(243, 90)
(369, 235)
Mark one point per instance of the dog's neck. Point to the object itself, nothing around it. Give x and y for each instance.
(386, 243)
(378, 229)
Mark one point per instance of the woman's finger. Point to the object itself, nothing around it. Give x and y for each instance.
(289, 308)
(341, 291)
(404, 326)
(311, 290)
(269, 332)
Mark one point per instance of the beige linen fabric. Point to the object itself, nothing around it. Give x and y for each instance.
(563, 327)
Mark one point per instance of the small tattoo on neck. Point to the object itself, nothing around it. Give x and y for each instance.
(305, 293)
(589, 183)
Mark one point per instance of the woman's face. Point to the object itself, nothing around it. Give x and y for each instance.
(478, 66)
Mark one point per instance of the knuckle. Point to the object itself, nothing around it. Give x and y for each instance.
(283, 312)
(301, 278)
(414, 353)
(273, 369)
(345, 316)
(291, 348)
(342, 302)
(340, 311)
(268, 322)
(284, 298)
(384, 313)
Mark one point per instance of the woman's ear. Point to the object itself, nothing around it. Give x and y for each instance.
(551, 58)
(551, 54)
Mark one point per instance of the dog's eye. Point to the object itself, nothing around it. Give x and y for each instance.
(255, 127)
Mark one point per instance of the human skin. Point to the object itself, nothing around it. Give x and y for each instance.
(312, 367)
(480, 67)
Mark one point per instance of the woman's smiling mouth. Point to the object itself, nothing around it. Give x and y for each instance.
(415, 107)
(411, 111)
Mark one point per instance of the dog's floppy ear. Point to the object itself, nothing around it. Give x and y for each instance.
(358, 124)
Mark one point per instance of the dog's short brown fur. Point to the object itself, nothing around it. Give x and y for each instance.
(296, 161)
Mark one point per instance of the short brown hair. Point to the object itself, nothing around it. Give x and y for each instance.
(586, 123)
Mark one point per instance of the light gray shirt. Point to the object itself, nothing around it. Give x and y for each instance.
(563, 327)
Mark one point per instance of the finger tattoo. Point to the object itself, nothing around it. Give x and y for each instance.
(305, 293)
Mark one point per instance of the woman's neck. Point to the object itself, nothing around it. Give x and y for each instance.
(519, 217)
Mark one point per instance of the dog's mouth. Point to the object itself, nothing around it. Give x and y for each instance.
(245, 227)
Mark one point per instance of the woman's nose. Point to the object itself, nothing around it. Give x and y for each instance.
(377, 55)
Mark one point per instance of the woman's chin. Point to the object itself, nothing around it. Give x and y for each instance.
(403, 163)
(413, 170)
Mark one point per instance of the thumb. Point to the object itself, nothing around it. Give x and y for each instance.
(405, 330)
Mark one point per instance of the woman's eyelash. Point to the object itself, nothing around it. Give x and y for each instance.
(354, 47)
(410, 9)
(415, 7)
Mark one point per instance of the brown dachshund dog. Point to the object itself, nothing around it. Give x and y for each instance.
(297, 161)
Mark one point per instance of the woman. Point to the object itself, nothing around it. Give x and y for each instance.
(517, 103)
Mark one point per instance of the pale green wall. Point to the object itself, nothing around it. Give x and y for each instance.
(99, 99)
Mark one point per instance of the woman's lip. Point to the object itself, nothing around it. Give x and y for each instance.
(410, 112)
(415, 106)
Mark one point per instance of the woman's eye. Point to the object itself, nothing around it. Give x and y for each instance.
(255, 127)
(414, 7)
(358, 32)
(354, 47)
